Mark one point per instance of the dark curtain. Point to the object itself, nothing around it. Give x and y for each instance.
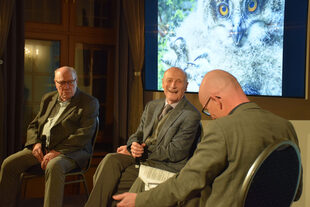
(6, 10)
(11, 76)
(128, 101)
(134, 17)
(121, 83)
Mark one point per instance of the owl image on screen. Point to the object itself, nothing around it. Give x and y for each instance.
(244, 37)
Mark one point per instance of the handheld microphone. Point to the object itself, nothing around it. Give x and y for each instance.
(138, 159)
(43, 144)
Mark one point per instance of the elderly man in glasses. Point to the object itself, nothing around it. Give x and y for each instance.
(58, 140)
(238, 133)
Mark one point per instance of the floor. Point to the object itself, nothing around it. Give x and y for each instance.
(69, 201)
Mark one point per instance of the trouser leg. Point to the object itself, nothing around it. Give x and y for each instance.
(10, 172)
(128, 178)
(55, 179)
(138, 186)
(107, 177)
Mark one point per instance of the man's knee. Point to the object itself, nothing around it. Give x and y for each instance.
(60, 165)
(111, 159)
(113, 163)
(6, 164)
(54, 168)
(9, 163)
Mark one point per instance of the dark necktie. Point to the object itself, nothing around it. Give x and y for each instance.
(166, 109)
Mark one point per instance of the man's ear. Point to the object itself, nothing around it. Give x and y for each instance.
(186, 84)
(218, 100)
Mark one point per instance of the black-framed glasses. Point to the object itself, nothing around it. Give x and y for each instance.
(204, 110)
(63, 83)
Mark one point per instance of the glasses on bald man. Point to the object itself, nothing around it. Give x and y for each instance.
(204, 109)
(63, 83)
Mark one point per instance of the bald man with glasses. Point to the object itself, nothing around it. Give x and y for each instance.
(58, 140)
(239, 132)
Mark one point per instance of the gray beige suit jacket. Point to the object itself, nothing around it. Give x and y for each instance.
(220, 163)
(71, 135)
(176, 137)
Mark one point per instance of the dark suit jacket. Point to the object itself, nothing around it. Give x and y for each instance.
(219, 165)
(175, 138)
(71, 135)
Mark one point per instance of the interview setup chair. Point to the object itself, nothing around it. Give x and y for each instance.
(274, 177)
(76, 175)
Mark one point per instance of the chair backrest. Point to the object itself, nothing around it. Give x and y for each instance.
(93, 142)
(273, 178)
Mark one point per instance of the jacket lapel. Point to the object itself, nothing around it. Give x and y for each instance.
(50, 106)
(156, 112)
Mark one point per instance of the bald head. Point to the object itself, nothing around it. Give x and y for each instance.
(177, 70)
(66, 69)
(224, 90)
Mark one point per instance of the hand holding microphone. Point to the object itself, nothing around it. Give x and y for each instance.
(43, 145)
(137, 151)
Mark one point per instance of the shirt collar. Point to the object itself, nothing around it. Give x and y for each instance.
(63, 103)
(173, 105)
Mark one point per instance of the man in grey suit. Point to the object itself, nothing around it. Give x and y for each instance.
(238, 133)
(162, 142)
(67, 119)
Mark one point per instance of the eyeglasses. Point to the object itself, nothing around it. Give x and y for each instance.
(204, 109)
(63, 83)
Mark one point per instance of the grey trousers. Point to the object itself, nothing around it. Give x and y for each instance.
(114, 175)
(14, 165)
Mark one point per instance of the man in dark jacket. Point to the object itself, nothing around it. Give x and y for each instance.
(67, 121)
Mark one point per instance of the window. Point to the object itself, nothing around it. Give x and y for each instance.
(78, 33)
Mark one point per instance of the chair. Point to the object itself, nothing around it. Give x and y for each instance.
(36, 171)
(273, 179)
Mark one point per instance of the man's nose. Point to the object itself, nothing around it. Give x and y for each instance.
(66, 85)
(173, 83)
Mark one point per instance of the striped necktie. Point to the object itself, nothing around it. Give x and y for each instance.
(166, 109)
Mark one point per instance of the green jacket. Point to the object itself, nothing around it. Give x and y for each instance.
(222, 159)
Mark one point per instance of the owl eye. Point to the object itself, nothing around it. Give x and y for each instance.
(252, 5)
(223, 9)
